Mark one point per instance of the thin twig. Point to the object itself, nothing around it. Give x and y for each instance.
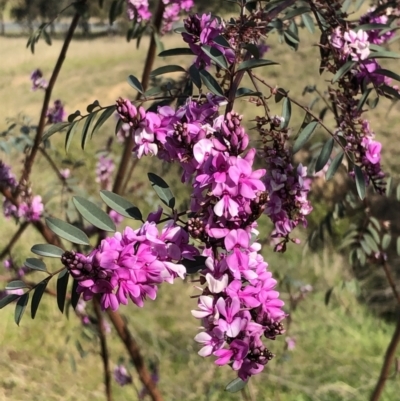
(104, 349)
(42, 121)
(134, 352)
(14, 239)
(151, 54)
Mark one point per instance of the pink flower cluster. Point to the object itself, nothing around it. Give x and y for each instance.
(287, 186)
(56, 114)
(202, 30)
(29, 209)
(239, 304)
(350, 44)
(139, 10)
(38, 82)
(376, 36)
(104, 169)
(131, 264)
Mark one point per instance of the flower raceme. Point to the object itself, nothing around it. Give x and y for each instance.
(131, 264)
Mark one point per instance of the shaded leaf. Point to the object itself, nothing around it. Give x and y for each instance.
(166, 69)
(8, 299)
(35, 264)
(75, 295)
(135, 83)
(105, 115)
(304, 136)
(162, 190)
(254, 63)
(344, 69)
(211, 83)
(37, 296)
(16, 284)
(121, 205)
(48, 250)
(85, 129)
(20, 307)
(62, 284)
(386, 239)
(325, 154)
(383, 54)
(184, 51)
(387, 73)
(67, 231)
(215, 55)
(247, 92)
(360, 181)
(54, 129)
(193, 266)
(70, 134)
(93, 214)
(236, 385)
(336, 162)
(195, 75)
(286, 112)
(328, 295)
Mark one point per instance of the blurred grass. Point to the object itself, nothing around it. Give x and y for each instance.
(339, 347)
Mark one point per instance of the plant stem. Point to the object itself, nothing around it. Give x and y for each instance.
(127, 154)
(389, 358)
(14, 239)
(42, 121)
(104, 349)
(133, 349)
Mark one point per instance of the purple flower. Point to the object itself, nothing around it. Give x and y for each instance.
(7, 178)
(138, 9)
(373, 153)
(236, 353)
(122, 376)
(56, 114)
(38, 82)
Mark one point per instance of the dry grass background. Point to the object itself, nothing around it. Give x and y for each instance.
(339, 348)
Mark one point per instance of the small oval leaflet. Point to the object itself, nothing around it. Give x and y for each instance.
(216, 55)
(324, 155)
(93, 214)
(135, 83)
(35, 264)
(162, 190)
(62, 284)
(67, 231)
(211, 83)
(304, 135)
(167, 69)
(48, 250)
(360, 181)
(121, 205)
(254, 63)
(286, 112)
(16, 284)
(37, 296)
(184, 51)
(336, 162)
(20, 307)
(236, 385)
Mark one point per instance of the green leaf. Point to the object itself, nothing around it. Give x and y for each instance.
(47, 37)
(92, 106)
(308, 22)
(75, 295)
(107, 113)
(67, 231)
(73, 116)
(360, 181)
(397, 246)
(363, 99)
(254, 63)
(162, 190)
(35, 264)
(16, 285)
(211, 83)
(166, 69)
(70, 134)
(85, 129)
(121, 205)
(220, 40)
(344, 69)
(387, 73)
(195, 75)
(135, 83)
(388, 189)
(328, 295)
(48, 250)
(280, 94)
(216, 55)
(115, 10)
(304, 136)
(247, 92)
(386, 240)
(398, 192)
(54, 129)
(62, 284)
(371, 243)
(325, 154)
(20, 307)
(253, 49)
(8, 299)
(383, 54)
(37, 296)
(286, 112)
(336, 162)
(177, 52)
(236, 385)
(93, 214)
